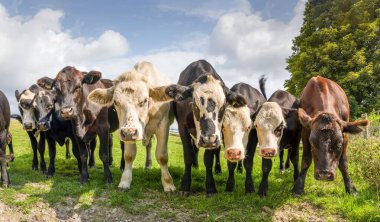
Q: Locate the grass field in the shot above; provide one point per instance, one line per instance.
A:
(32, 196)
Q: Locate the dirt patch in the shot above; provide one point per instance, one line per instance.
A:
(302, 212)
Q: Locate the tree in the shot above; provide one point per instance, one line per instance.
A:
(340, 40)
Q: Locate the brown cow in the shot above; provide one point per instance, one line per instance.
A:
(324, 114)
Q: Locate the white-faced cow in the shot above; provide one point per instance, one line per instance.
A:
(200, 100)
(89, 120)
(239, 136)
(324, 114)
(140, 116)
(277, 129)
(4, 138)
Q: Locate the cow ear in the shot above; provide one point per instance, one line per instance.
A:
(235, 99)
(353, 127)
(46, 83)
(158, 94)
(102, 97)
(304, 119)
(17, 95)
(178, 92)
(91, 77)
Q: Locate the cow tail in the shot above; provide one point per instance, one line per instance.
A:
(262, 81)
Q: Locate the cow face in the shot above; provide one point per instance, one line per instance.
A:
(28, 113)
(236, 128)
(68, 85)
(209, 97)
(130, 96)
(327, 139)
(44, 104)
(269, 124)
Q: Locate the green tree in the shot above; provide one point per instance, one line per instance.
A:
(340, 40)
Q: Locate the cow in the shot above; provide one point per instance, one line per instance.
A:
(324, 114)
(277, 129)
(25, 101)
(200, 99)
(5, 135)
(88, 120)
(239, 136)
(140, 116)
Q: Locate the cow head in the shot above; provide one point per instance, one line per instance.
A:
(269, 124)
(327, 139)
(130, 96)
(209, 98)
(26, 101)
(68, 85)
(44, 104)
(237, 125)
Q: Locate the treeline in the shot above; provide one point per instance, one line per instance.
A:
(340, 40)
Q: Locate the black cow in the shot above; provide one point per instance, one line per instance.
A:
(240, 138)
(4, 137)
(200, 101)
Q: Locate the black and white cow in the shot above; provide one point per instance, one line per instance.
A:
(4, 138)
(200, 99)
(240, 138)
(277, 128)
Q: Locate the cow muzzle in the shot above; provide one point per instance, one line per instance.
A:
(28, 126)
(43, 126)
(324, 175)
(234, 155)
(209, 142)
(128, 134)
(267, 153)
(67, 112)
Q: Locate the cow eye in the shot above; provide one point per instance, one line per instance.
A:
(142, 103)
(278, 130)
(116, 103)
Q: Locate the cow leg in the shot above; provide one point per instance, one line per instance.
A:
(266, 167)
(122, 162)
(195, 156)
(75, 150)
(4, 173)
(110, 145)
(41, 150)
(294, 157)
(239, 168)
(217, 168)
(67, 144)
(52, 153)
(231, 176)
(162, 134)
(129, 157)
(188, 156)
(148, 160)
(306, 162)
(83, 151)
(248, 161)
(33, 142)
(287, 163)
(281, 155)
(343, 167)
(103, 154)
(92, 145)
(208, 161)
(10, 145)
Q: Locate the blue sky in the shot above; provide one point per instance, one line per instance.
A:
(242, 39)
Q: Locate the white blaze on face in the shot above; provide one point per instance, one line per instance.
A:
(269, 125)
(236, 128)
(131, 100)
(208, 99)
(25, 103)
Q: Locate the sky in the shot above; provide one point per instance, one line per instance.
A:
(242, 39)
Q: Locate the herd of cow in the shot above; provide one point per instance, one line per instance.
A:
(79, 106)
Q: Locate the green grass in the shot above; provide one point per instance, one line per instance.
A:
(146, 194)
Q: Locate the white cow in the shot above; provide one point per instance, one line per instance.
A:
(140, 116)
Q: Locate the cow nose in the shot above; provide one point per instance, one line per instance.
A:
(233, 154)
(324, 175)
(67, 112)
(267, 152)
(28, 126)
(209, 141)
(128, 134)
(43, 126)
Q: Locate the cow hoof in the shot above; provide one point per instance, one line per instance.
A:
(108, 180)
(239, 170)
(262, 193)
(210, 194)
(5, 185)
(169, 189)
(34, 168)
(184, 193)
(297, 192)
(229, 189)
(68, 157)
(218, 169)
(12, 158)
(148, 167)
(91, 166)
(84, 181)
(195, 166)
(43, 172)
(124, 186)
